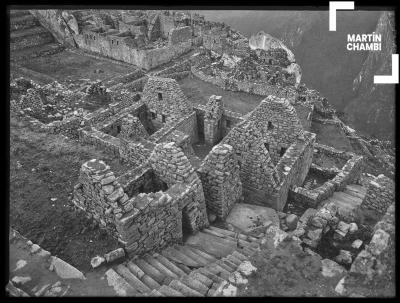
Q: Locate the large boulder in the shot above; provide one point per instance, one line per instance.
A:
(265, 41)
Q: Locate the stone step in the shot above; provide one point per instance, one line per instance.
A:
(357, 188)
(184, 289)
(132, 279)
(40, 289)
(225, 266)
(179, 257)
(228, 244)
(156, 293)
(230, 233)
(218, 270)
(194, 284)
(349, 197)
(239, 241)
(202, 278)
(239, 256)
(170, 265)
(230, 263)
(208, 244)
(169, 291)
(146, 279)
(151, 271)
(233, 259)
(192, 255)
(122, 287)
(202, 253)
(161, 268)
(339, 203)
(204, 271)
(353, 194)
(184, 268)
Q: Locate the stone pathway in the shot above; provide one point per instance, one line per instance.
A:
(198, 268)
(348, 200)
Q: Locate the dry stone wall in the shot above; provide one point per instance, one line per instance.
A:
(179, 34)
(154, 222)
(293, 168)
(212, 120)
(220, 176)
(380, 194)
(164, 97)
(173, 167)
(350, 173)
(278, 123)
(187, 125)
(132, 129)
(99, 195)
(261, 89)
(257, 172)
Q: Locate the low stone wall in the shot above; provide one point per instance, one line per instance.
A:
(333, 152)
(183, 66)
(261, 89)
(100, 140)
(350, 173)
(380, 194)
(154, 222)
(187, 125)
(127, 78)
(67, 127)
(292, 168)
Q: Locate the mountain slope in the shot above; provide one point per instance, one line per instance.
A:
(372, 110)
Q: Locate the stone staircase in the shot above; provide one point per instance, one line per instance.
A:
(348, 200)
(196, 268)
(28, 38)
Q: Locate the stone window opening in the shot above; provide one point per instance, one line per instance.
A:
(117, 42)
(160, 96)
(118, 129)
(228, 123)
(112, 41)
(163, 118)
(270, 125)
(282, 152)
(153, 115)
(266, 146)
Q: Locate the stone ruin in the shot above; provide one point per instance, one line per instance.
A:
(256, 158)
(170, 189)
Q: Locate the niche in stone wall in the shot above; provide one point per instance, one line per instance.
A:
(282, 151)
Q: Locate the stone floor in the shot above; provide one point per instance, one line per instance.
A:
(246, 217)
